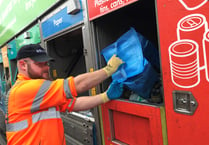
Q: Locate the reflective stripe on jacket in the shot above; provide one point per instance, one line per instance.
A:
(33, 110)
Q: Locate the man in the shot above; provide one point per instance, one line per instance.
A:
(35, 102)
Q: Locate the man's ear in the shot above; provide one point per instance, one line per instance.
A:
(22, 65)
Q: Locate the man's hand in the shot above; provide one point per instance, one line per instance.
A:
(112, 65)
(114, 91)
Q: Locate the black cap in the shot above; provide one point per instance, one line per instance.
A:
(33, 51)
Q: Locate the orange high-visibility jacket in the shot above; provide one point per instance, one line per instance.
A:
(33, 110)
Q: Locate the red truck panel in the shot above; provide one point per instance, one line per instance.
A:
(131, 123)
(183, 35)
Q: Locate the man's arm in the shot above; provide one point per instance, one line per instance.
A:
(87, 102)
(86, 81)
(114, 91)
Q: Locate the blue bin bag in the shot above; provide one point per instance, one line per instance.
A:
(143, 83)
(129, 49)
(141, 68)
(150, 52)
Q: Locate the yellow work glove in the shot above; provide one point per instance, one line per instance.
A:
(104, 97)
(112, 65)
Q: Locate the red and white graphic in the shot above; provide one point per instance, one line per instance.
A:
(206, 51)
(187, 55)
(184, 63)
(190, 27)
(98, 8)
(192, 4)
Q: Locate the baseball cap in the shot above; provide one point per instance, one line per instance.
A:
(33, 51)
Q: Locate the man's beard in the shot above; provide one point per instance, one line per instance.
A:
(34, 75)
